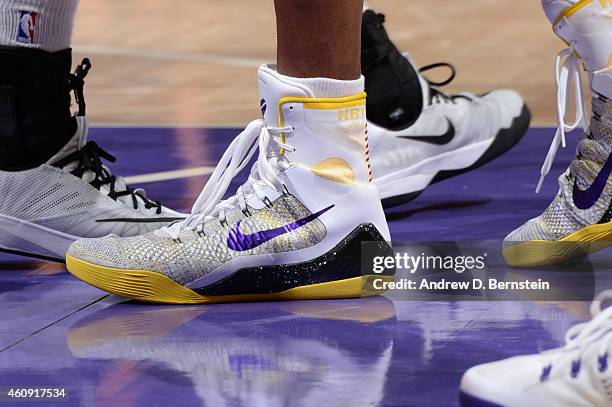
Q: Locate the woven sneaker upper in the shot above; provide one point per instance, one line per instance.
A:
(192, 255)
(562, 217)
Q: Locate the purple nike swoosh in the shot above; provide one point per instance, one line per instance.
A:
(238, 242)
(587, 198)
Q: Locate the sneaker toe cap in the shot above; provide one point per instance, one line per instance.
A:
(104, 251)
(533, 229)
(499, 382)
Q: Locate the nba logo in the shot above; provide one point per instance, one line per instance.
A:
(27, 26)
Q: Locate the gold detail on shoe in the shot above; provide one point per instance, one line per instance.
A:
(354, 132)
(320, 104)
(545, 252)
(571, 10)
(355, 113)
(148, 286)
(335, 169)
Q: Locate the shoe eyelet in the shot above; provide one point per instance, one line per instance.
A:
(545, 373)
(602, 362)
(575, 368)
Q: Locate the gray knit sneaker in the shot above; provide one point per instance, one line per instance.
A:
(577, 222)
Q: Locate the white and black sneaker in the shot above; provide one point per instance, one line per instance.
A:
(419, 135)
(45, 208)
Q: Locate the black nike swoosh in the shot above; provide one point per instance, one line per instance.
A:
(140, 220)
(438, 140)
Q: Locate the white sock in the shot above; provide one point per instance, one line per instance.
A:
(330, 88)
(44, 24)
(554, 8)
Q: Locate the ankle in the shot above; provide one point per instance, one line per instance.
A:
(34, 106)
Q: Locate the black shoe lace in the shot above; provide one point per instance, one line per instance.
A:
(89, 157)
(435, 94)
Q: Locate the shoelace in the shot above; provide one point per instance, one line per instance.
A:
(87, 161)
(567, 74)
(383, 48)
(435, 95)
(596, 332)
(265, 174)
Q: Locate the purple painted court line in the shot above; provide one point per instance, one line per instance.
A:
(58, 332)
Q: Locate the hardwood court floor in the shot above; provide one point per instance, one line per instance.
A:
(57, 332)
(194, 61)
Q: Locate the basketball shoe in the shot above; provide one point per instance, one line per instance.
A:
(292, 231)
(577, 222)
(419, 135)
(50, 202)
(577, 375)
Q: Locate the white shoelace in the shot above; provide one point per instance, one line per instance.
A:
(567, 73)
(264, 175)
(598, 332)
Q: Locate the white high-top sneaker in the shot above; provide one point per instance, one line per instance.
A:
(45, 209)
(292, 231)
(576, 375)
(419, 135)
(578, 221)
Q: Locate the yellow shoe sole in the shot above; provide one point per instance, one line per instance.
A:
(535, 253)
(148, 286)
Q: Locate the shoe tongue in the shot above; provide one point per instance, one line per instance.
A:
(373, 31)
(272, 88)
(75, 143)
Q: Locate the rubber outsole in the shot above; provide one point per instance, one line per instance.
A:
(148, 286)
(334, 274)
(504, 140)
(541, 252)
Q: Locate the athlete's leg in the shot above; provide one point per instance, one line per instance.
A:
(35, 40)
(294, 229)
(319, 38)
(54, 188)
